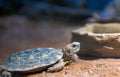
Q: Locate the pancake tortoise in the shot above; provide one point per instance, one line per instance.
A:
(32, 60)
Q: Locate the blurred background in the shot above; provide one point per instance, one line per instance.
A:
(28, 24)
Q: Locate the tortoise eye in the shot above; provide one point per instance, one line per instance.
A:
(74, 45)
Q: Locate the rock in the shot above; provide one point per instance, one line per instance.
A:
(99, 40)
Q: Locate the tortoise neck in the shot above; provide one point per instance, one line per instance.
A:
(65, 56)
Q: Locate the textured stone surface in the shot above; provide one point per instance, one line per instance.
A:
(101, 40)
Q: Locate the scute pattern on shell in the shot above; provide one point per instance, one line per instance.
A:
(32, 58)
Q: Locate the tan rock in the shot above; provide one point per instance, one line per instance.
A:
(101, 40)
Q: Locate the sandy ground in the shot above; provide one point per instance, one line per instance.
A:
(18, 33)
(87, 68)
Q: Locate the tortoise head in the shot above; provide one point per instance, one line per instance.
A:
(71, 48)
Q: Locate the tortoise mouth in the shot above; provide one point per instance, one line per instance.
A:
(77, 50)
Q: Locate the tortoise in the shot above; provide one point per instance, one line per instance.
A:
(37, 59)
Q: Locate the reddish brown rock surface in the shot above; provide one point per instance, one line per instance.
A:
(87, 68)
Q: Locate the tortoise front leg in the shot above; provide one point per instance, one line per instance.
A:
(6, 73)
(75, 58)
(57, 66)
